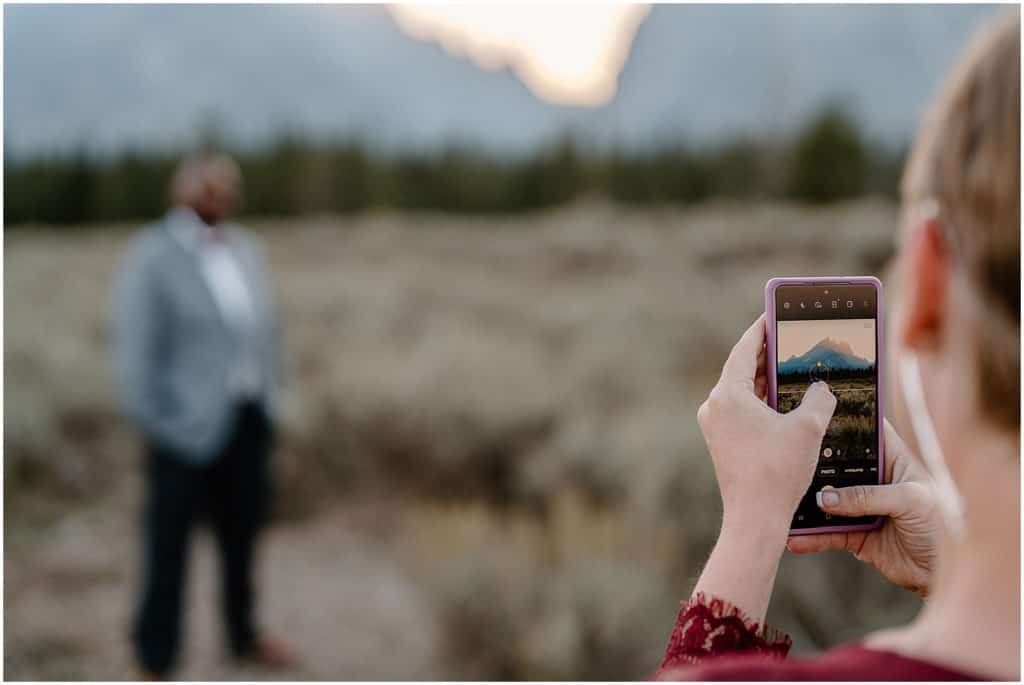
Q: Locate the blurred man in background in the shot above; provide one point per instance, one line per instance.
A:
(197, 359)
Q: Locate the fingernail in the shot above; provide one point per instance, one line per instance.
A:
(826, 498)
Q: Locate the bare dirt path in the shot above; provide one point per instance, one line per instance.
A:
(339, 598)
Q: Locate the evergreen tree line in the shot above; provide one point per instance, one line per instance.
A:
(828, 160)
(866, 374)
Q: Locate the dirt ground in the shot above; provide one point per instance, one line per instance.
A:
(339, 598)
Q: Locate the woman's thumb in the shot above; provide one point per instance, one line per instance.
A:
(866, 500)
(817, 406)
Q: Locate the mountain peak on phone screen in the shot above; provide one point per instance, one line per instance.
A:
(834, 354)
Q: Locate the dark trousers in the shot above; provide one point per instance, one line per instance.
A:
(232, 493)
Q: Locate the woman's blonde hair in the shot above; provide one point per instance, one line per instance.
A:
(966, 160)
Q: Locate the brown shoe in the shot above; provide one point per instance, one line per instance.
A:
(273, 653)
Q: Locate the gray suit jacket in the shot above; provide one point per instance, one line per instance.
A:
(173, 350)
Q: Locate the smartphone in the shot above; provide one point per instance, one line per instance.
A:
(830, 329)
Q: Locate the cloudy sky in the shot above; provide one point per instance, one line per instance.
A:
(104, 78)
(565, 54)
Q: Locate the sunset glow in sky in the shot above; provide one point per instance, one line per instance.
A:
(796, 337)
(566, 54)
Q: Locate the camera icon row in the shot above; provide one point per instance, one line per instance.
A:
(835, 304)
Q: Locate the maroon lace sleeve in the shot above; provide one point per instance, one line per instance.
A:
(708, 627)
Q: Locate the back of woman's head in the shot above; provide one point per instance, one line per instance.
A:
(966, 160)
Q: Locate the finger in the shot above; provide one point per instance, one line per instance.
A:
(761, 388)
(897, 454)
(868, 500)
(741, 366)
(806, 544)
(816, 408)
(761, 378)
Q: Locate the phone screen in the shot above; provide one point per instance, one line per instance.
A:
(829, 333)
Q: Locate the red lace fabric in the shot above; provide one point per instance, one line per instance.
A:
(708, 627)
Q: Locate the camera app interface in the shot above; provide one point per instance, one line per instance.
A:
(828, 333)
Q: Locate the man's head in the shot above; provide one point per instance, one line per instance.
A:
(210, 185)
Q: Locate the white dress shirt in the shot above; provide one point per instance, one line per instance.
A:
(226, 280)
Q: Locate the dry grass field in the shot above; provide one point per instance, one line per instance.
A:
(489, 463)
(853, 421)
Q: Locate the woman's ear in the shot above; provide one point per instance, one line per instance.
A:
(925, 285)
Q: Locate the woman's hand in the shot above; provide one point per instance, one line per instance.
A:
(764, 460)
(903, 549)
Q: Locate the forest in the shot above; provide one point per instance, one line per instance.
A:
(828, 160)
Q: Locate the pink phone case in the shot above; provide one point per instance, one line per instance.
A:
(770, 369)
